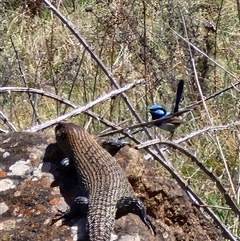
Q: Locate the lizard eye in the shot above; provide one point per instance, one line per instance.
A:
(62, 136)
(58, 132)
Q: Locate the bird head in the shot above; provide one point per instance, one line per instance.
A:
(158, 112)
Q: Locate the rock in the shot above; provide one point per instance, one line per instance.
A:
(41, 187)
(175, 216)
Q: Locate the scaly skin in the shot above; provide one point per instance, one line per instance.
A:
(105, 182)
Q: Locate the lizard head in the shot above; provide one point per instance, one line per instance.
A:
(66, 133)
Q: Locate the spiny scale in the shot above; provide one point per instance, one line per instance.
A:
(105, 181)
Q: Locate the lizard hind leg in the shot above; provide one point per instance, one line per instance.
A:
(134, 205)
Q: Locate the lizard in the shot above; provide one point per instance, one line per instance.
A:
(109, 194)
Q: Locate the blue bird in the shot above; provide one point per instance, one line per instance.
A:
(158, 112)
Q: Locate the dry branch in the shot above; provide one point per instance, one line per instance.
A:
(192, 135)
(7, 122)
(57, 98)
(33, 103)
(84, 108)
(200, 164)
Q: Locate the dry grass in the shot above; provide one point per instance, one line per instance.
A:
(135, 41)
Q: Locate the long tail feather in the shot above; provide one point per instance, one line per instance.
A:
(178, 95)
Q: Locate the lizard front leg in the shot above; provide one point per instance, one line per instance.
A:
(79, 209)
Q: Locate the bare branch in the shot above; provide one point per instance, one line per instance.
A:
(33, 103)
(71, 27)
(7, 122)
(145, 124)
(61, 100)
(180, 112)
(200, 51)
(84, 108)
(238, 8)
(208, 172)
(207, 111)
(3, 131)
(193, 134)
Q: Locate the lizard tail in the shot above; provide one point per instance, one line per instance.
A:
(101, 220)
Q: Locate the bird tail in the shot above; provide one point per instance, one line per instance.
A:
(178, 95)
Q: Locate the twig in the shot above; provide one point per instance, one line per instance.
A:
(61, 100)
(194, 134)
(84, 108)
(7, 122)
(200, 51)
(145, 124)
(238, 8)
(75, 79)
(207, 112)
(208, 172)
(218, 207)
(25, 83)
(70, 26)
(236, 219)
(3, 131)
(232, 86)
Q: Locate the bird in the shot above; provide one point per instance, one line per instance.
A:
(158, 112)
